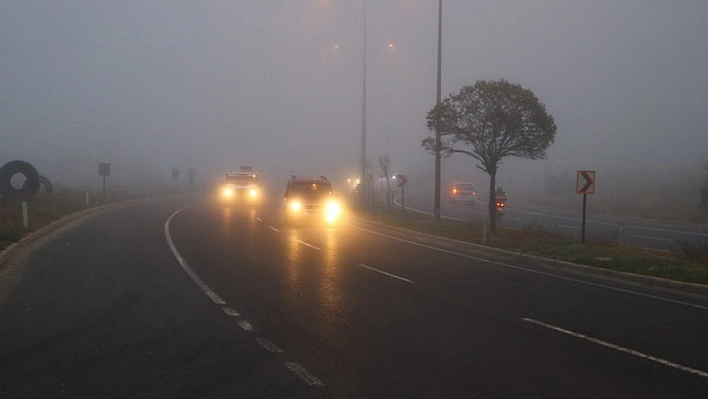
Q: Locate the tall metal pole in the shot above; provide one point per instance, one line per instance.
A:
(363, 181)
(582, 229)
(436, 210)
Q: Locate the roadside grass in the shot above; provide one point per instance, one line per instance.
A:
(45, 208)
(41, 210)
(687, 262)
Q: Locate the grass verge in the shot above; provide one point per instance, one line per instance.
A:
(687, 263)
(41, 211)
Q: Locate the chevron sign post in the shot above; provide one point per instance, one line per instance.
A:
(584, 184)
(402, 180)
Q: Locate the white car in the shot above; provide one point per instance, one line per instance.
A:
(240, 187)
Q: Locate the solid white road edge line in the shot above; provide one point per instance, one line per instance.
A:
(652, 238)
(663, 230)
(619, 348)
(388, 274)
(274, 229)
(304, 374)
(613, 224)
(575, 280)
(200, 283)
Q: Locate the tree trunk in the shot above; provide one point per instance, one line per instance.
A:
(492, 202)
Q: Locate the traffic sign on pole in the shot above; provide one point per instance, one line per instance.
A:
(402, 180)
(585, 182)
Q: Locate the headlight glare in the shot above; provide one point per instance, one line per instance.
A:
(333, 210)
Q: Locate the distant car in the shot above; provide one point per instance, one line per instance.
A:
(241, 186)
(310, 200)
(462, 192)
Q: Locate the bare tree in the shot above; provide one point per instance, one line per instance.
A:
(490, 121)
(385, 161)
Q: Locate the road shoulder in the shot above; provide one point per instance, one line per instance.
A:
(503, 255)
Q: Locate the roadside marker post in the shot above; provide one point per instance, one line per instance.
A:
(402, 180)
(175, 176)
(25, 215)
(104, 169)
(584, 184)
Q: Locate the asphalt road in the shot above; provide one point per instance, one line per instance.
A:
(186, 298)
(638, 232)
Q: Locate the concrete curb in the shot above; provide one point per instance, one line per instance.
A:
(550, 263)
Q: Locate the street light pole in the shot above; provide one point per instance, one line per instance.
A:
(436, 210)
(363, 181)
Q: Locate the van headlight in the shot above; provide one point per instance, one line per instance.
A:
(227, 192)
(253, 193)
(332, 210)
(295, 206)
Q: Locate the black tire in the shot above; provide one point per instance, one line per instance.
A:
(32, 182)
(47, 184)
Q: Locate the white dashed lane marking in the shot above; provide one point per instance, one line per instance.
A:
(296, 368)
(269, 346)
(537, 272)
(307, 245)
(246, 326)
(230, 311)
(304, 374)
(386, 273)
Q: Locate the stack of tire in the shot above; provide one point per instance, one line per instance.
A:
(30, 187)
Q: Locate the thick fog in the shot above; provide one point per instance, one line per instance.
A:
(149, 86)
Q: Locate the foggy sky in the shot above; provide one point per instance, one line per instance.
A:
(154, 85)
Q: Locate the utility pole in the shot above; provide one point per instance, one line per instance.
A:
(436, 209)
(363, 181)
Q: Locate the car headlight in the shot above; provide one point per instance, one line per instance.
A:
(253, 193)
(332, 211)
(295, 206)
(228, 192)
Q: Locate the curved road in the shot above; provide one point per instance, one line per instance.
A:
(645, 233)
(185, 298)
